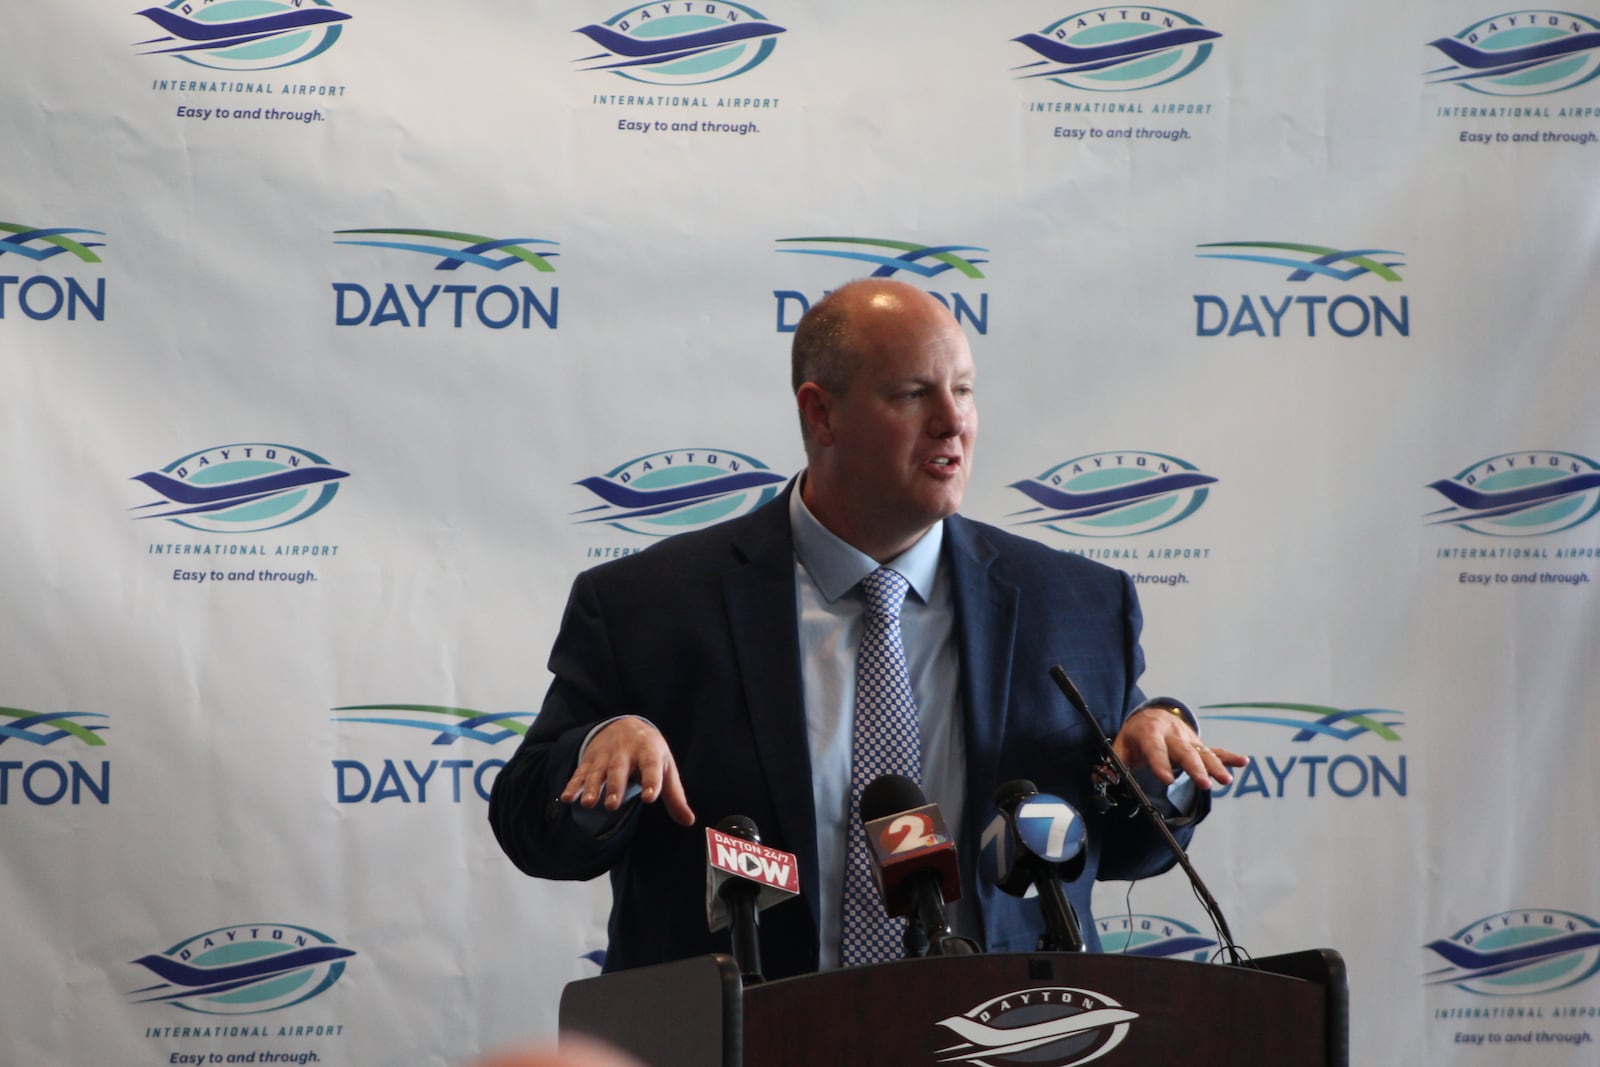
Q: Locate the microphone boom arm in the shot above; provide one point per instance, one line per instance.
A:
(1207, 901)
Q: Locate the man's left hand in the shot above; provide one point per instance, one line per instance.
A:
(1154, 737)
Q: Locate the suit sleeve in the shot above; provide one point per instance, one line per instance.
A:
(534, 828)
(1133, 848)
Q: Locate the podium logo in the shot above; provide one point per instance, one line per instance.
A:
(495, 306)
(41, 296)
(1522, 53)
(244, 970)
(46, 781)
(1113, 494)
(241, 488)
(1118, 49)
(888, 257)
(1520, 494)
(681, 43)
(1518, 953)
(1157, 936)
(1302, 773)
(1056, 1026)
(244, 34)
(1346, 315)
(356, 781)
(665, 493)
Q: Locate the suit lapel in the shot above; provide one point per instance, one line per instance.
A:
(986, 622)
(760, 596)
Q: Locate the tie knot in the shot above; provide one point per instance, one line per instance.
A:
(886, 591)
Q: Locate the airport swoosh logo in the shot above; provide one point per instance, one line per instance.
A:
(1075, 59)
(232, 32)
(636, 51)
(638, 502)
(1078, 505)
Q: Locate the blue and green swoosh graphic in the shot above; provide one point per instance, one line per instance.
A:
(889, 257)
(48, 727)
(475, 248)
(1311, 721)
(447, 724)
(42, 243)
(1314, 260)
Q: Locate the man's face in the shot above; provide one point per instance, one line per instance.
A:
(899, 442)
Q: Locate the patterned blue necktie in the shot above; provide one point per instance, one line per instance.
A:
(884, 740)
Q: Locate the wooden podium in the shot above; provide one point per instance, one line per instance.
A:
(1035, 1009)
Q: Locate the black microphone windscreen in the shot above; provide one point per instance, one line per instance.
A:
(1014, 792)
(889, 795)
(740, 826)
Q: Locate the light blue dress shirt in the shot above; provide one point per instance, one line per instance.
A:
(832, 611)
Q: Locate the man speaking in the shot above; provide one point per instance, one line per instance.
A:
(774, 665)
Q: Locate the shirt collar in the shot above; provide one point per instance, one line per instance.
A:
(838, 567)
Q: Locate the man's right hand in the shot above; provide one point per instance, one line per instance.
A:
(626, 750)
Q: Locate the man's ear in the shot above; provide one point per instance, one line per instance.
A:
(816, 412)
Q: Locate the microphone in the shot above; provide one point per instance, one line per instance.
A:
(744, 877)
(1039, 843)
(1207, 901)
(914, 864)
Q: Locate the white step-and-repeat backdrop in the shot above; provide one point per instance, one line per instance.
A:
(331, 335)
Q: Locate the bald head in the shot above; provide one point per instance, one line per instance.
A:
(840, 330)
(884, 387)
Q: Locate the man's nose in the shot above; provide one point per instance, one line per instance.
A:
(949, 417)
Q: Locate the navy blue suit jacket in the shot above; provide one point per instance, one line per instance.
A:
(699, 635)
